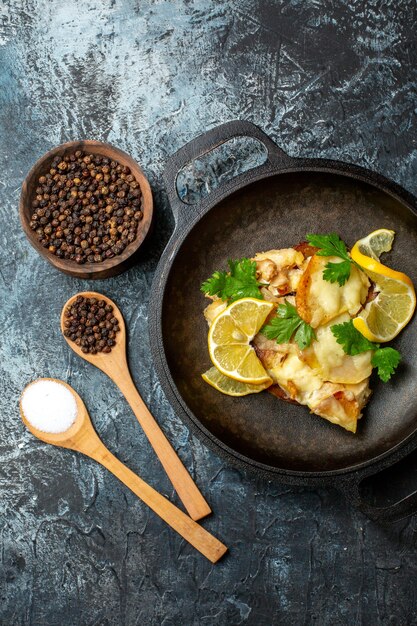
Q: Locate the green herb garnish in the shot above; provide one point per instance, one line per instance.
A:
(386, 360)
(332, 245)
(351, 340)
(285, 324)
(239, 283)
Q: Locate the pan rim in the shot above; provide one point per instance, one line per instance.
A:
(179, 235)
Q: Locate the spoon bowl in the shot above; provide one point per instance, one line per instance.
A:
(74, 434)
(114, 364)
(81, 437)
(110, 363)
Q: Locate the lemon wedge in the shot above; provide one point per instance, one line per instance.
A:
(229, 386)
(384, 317)
(229, 340)
(375, 243)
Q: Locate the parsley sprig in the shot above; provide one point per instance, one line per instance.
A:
(239, 282)
(386, 360)
(332, 245)
(351, 340)
(285, 324)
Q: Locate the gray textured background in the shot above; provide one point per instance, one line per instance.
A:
(324, 78)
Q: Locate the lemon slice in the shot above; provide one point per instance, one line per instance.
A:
(229, 386)
(383, 318)
(229, 340)
(375, 243)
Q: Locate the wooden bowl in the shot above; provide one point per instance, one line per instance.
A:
(109, 267)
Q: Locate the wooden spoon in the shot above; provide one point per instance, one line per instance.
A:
(82, 437)
(114, 364)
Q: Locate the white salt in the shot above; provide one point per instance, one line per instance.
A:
(49, 406)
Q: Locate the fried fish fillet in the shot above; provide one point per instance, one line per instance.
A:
(332, 384)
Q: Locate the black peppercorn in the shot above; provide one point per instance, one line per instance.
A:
(82, 325)
(96, 199)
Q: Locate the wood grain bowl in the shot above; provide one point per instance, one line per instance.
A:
(109, 267)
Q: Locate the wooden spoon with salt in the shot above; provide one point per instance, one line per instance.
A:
(82, 437)
(114, 364)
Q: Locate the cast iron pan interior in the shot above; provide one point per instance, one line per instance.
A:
(274, 213)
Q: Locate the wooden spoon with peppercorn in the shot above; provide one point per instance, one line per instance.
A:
(94, 328)
(81, 437)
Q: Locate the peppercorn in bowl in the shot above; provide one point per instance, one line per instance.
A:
(86, 207)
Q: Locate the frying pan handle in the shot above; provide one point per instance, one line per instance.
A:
(275, 158)
(383, 515)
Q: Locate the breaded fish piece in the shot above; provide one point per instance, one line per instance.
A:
(332, 384)
(329, 382)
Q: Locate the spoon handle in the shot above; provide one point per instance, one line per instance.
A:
(184, 485)
(192, 532)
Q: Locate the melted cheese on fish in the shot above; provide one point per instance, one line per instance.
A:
(319, 301)
(339, 403)
(295, 376)
(341, 406)
(327, 357)
(332, 384)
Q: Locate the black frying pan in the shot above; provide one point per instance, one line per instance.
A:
(273, 206)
